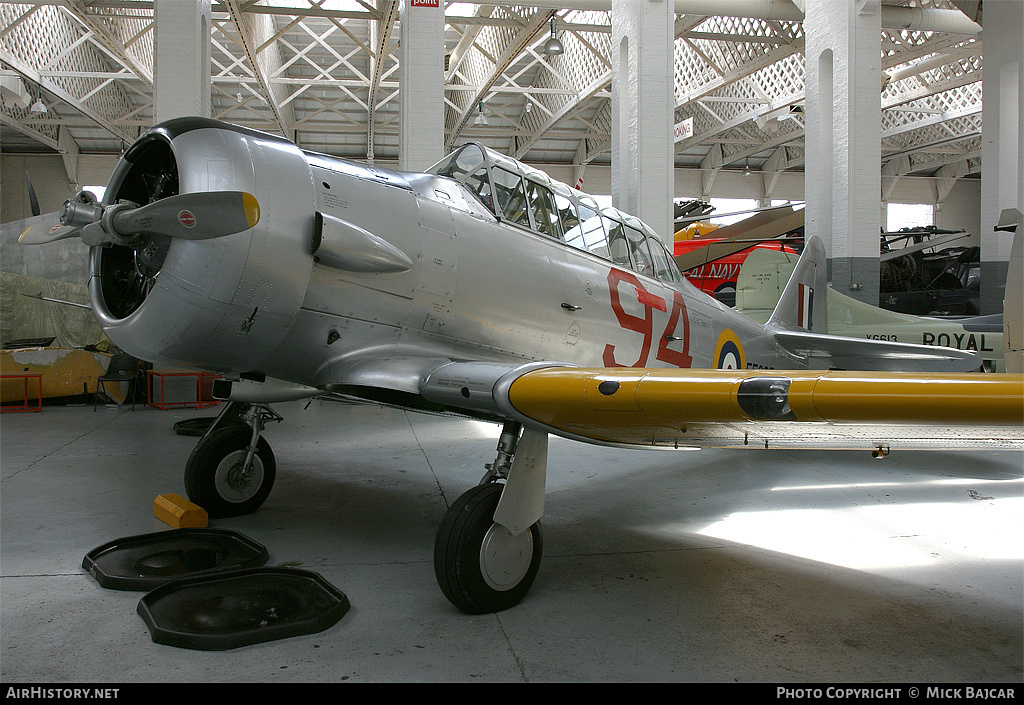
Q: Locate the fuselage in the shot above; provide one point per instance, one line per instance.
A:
(351, 262)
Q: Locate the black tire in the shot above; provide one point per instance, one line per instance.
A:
(471, 581)
(211, 474)
(199, 426)
(193, 427)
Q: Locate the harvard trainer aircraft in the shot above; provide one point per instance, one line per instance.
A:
(485, 289)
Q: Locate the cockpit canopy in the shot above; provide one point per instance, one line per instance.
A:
(519, 194)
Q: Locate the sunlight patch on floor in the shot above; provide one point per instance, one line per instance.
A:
(1013, 485)
(885, 536)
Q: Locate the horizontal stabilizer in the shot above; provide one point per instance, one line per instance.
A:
(826, 351)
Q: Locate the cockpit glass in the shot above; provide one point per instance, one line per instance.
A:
(460, 163)
(639, 251)
(588, 234)
(515, 194)
(567, 215)
(618, 247)
(508, 188)
(480, 186)
(665, 268)
(542, 205)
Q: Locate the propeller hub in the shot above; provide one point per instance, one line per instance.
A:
(78, 213)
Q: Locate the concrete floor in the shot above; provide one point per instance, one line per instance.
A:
(749, 566)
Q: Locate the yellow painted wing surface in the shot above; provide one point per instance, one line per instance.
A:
(768, 408)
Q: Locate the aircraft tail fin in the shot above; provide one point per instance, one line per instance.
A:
(802, 304)
(1013, 308)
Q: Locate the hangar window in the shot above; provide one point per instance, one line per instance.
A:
(98, 191)
(908, 215)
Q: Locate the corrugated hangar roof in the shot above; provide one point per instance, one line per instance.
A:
(327, 72)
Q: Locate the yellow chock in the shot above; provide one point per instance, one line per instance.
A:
(178, 513)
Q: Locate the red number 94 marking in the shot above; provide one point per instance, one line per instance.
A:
(645, 325)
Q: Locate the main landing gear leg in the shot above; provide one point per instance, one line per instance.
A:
(231, 470)
(489, 546)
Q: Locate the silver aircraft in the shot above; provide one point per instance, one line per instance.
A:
(481, 288)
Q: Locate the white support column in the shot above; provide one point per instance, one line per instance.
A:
(642, 117)
(421, 61)
(181, 59)
(1002, 145)
(842, 174)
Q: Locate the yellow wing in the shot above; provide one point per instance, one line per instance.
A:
(768, 408)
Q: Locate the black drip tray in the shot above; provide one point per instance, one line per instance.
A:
(150, 560)
(242, 607)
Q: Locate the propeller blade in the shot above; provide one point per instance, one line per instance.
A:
(41, 234)
(191, 216)
(32, 200)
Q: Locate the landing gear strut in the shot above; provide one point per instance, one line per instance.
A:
(231, 470)
(481, 565)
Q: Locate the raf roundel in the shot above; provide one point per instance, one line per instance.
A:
(729, 352)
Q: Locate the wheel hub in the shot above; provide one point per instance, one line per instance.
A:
(233, 483)
(505, 558)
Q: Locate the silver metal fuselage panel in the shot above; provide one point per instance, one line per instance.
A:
(479, 288)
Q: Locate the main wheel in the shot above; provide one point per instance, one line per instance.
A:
(480, 566)
(213, 475)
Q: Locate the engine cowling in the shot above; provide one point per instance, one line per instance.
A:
(221, 304)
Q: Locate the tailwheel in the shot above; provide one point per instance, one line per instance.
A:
(480, 565)
(224, 478)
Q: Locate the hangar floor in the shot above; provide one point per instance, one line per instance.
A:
(749, 566)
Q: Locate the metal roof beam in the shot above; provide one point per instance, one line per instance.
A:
(49, 86)
(526, 35)
(249, 46)
(109, 41)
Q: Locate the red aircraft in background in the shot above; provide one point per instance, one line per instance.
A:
(710, 256)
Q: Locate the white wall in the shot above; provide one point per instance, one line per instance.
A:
(49, 179)
(65, 260)
(960, 211)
